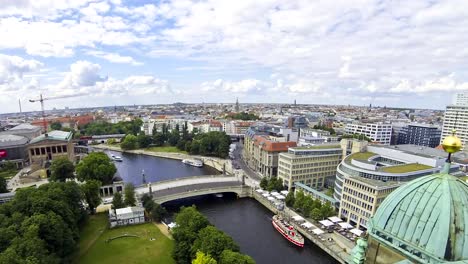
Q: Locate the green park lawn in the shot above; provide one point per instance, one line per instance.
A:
(95, 249)
(169, 149)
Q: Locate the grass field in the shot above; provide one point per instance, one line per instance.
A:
(94, 249)
(168, 149)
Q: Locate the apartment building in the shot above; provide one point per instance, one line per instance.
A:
(309, 165)
(456, 118)
(262, 149)
(377, 132)
(461, 99)
(364, 179)
(420, 134)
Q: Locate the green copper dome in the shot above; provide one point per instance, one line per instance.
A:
(425, 220)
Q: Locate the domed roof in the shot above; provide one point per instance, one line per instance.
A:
(426, 219)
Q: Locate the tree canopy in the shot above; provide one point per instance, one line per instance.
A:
(130, 142)
(129, 194)
(61, 169)
(231, 257)
(96, 166)
(40, 225)
(91, 193)
(117, 201)
(213, 241)
(245, 116)
(311, 207)
(202, 258)
(104, 128)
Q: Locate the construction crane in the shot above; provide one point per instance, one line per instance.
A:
(42, 99)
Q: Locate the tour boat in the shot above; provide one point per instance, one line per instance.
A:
(195, 163)
(117, 158)
(287, 231)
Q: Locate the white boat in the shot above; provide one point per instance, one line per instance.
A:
(195, 163)
(219, 195)
(117, 158)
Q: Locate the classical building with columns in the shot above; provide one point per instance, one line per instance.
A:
(50, 146)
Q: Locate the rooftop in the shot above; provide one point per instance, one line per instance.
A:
(12, 140)
(26, 127)
(54, 135)
(405, 168)
(128, 210)
(376, 183)
(360, 156)
(320, 146)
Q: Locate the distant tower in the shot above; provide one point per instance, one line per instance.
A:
(19, 101)
(237, 104)
(295, 102)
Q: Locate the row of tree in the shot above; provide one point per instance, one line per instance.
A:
(128, 199)
(6, 168)
(271, 184)
(213, 143)
(197, 241)
(309, 206)
(325, 128)
(155, 210)
(41, 225)
(245, 116)
(104, 128)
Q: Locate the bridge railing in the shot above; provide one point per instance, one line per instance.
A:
(183, 194)
(185, 178)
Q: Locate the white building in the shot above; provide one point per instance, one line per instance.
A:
(456, 118)
(127, 216)
(377, 132)
(461, 99)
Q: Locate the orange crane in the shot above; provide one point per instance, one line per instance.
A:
(42, 99)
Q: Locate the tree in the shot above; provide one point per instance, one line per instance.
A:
(117, 201)
(290, 199)
(213, 241)
(299, 201)
(201, 258)
(158, 212)
(129, 195)
(96, 166)
(231, 257)
(174, 137)
(189, 222)
(315, 214)
(91, 193)
(264, 183)
(56, 126)
(327, 210)
(147, 202)
(3, 185)
(61, 169)
(158, 139)
(144, 141)
(130, 142)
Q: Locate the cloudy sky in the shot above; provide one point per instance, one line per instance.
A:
(395, 53)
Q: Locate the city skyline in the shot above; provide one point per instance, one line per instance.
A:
(140, 52)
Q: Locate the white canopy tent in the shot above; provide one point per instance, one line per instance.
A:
(318, 231)
(298, 218)
(274, 193)
(307, 225)
(266, 195)
(284, 192)
(326, 223)
(335, 219)
(280, 197)
(356, 231)
(345, 225)
(271, 199)
(259, 190)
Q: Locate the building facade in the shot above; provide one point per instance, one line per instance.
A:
(461, 99)
(261, 151)
(50, 146)
(456, 118)
(377, 132)
(420, 134)
(364, 179)
(309, 165)
(126, 216)
(13, 149)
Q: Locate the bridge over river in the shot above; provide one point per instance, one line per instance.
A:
(169, 190)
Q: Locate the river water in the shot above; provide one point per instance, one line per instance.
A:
(249, 224)
(245, 220)
(155, 169)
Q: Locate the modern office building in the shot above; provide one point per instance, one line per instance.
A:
(309, 165)
(364, 179)
(311, 137)
(456, 118)
(377, 132)
(420, 134)
(262, 147)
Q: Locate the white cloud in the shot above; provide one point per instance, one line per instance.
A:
(114, 57)
(82, 74)
(13, 67)
(243, 86)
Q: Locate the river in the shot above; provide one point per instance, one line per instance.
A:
(245, 220)
(249, 224)
(156, 169)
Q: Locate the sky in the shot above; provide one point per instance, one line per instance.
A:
(116, 52)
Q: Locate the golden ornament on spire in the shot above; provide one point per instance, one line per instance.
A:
(452, 144)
